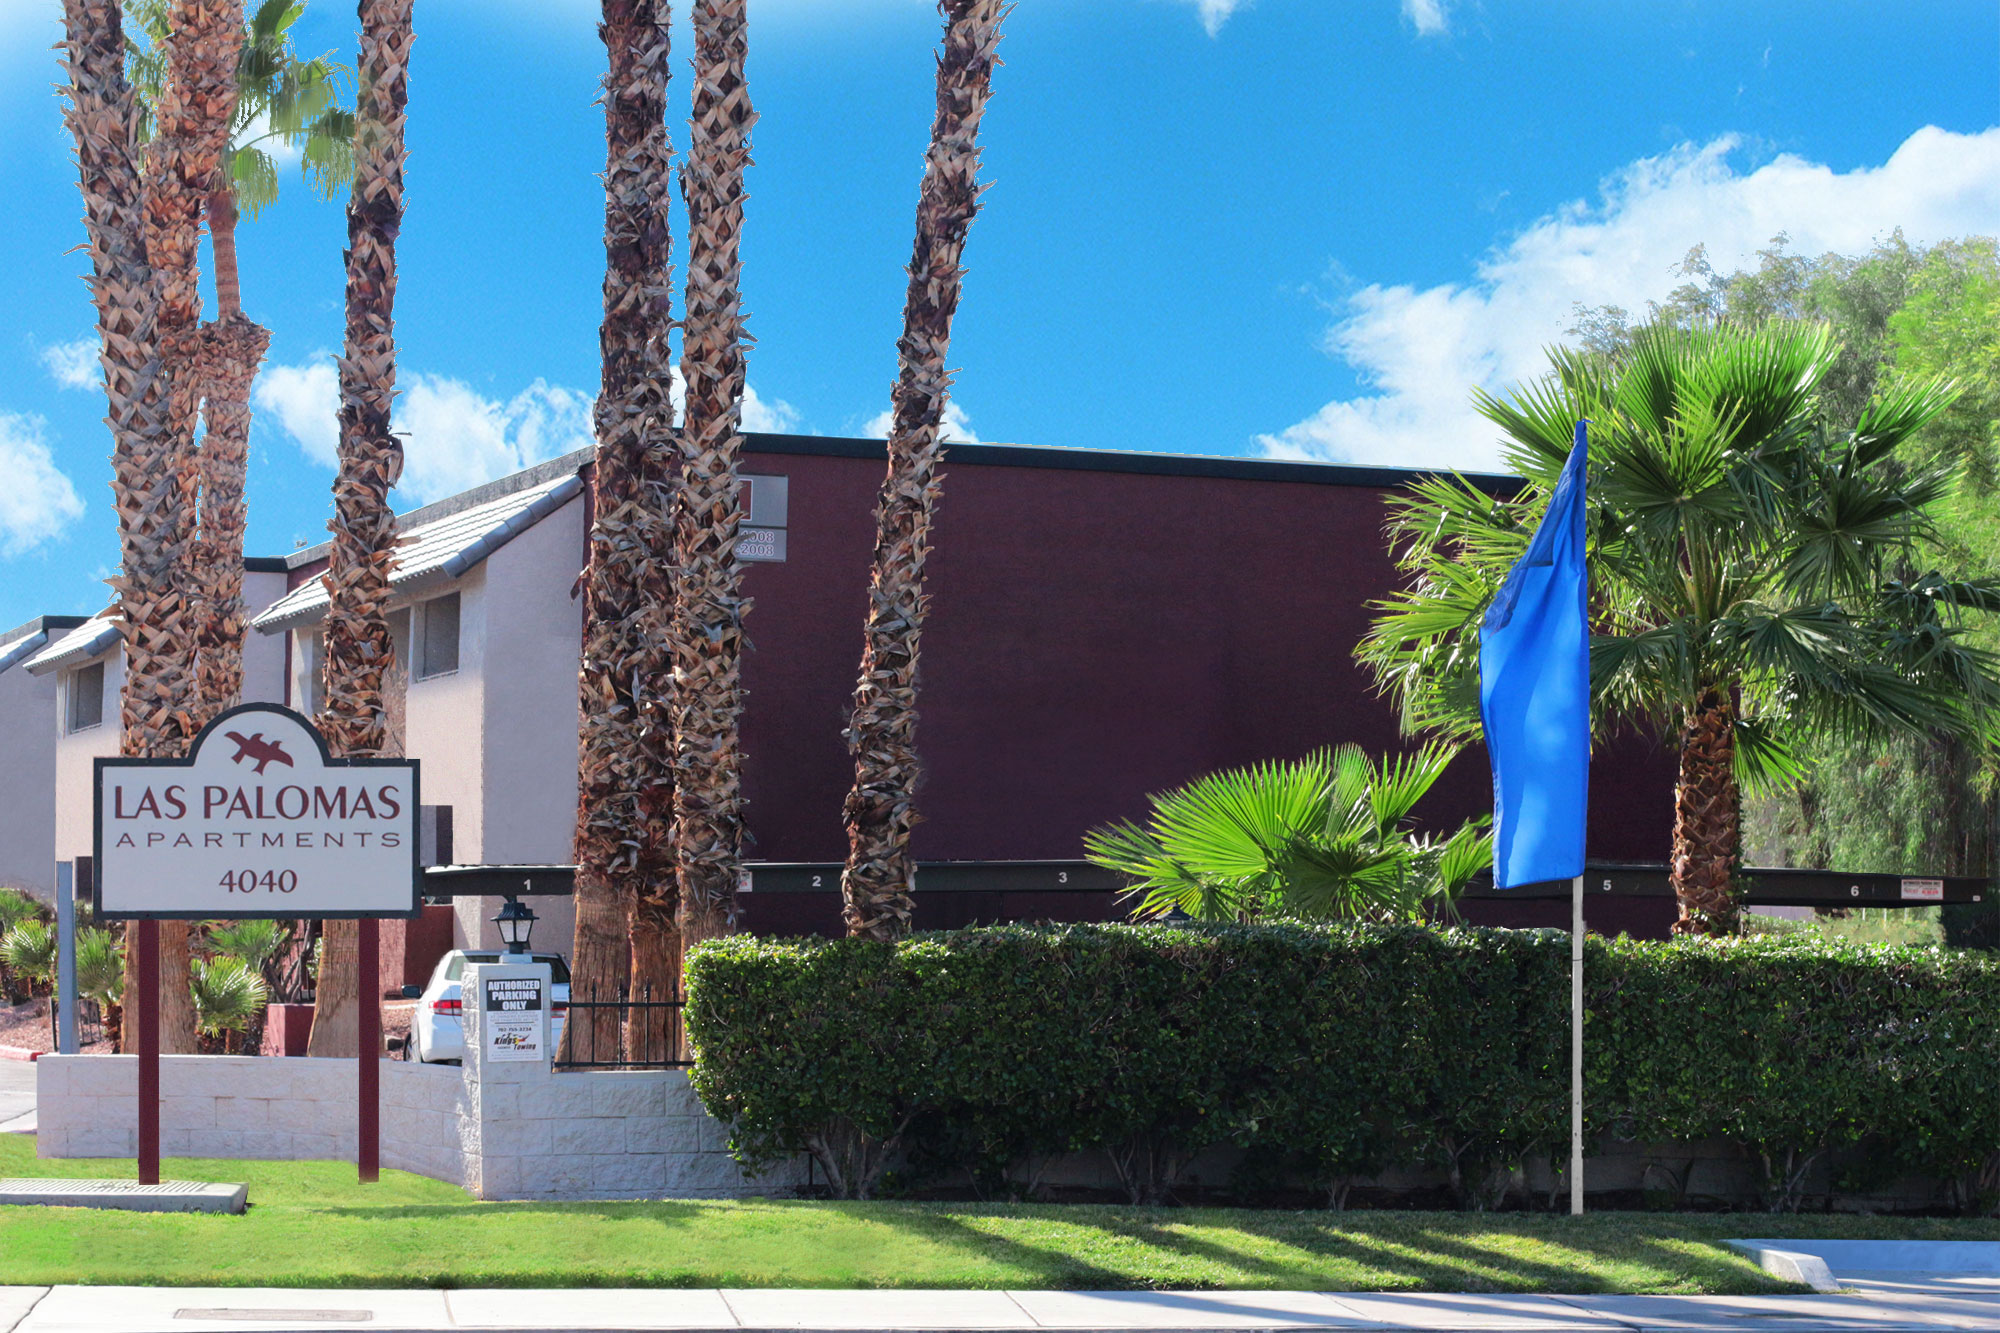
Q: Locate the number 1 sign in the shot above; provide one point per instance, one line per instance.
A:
(257, 821)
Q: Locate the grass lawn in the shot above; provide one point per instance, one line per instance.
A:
(310, 1224)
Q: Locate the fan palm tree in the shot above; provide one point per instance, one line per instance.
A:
(143, 224)
(876, 885)
(281, 100)
(28, 950)
(1754, 573)
(706, 631)
(624, 833)
(1324, 838)
(16, 906)
(359, 653)
(100, 975)
(229, 997)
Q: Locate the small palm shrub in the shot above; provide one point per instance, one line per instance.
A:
(256, 941)
(229, 996)
(100, 966)
(1323, 838)
(16, 906)
(100, 975)
(29, 951)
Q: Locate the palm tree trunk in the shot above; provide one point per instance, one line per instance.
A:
(1707, 819)
(624, 831)
(232, 349)
(144, 227)
(707, 627)
(358, 650)
(222, 217)
(653, 1034)
(882, 734)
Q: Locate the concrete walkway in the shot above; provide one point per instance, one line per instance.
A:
(1884, 1306)
(1892, 1285)
(17, 1097)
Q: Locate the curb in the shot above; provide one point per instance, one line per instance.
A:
(1807, 1269)
(18, 1053)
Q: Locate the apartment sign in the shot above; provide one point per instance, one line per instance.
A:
(257, 821)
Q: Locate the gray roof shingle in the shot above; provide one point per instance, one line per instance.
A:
(438, 551)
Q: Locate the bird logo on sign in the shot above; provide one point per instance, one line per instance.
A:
(254, 746)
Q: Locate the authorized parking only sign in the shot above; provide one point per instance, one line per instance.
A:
(514, 1016)
(258, 821)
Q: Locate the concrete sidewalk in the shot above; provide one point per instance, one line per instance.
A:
(1904, 1303)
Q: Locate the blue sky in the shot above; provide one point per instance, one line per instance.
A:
(1262, 227)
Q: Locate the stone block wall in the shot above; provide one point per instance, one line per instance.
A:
(249, 1106)
(509, 1131)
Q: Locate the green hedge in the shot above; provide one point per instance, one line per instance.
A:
(1332, 1053)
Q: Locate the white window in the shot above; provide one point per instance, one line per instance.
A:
(311, 690)
(83, 705)
(437, 636)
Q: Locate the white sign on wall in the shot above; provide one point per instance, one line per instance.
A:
(514, 1016)
(258, 821)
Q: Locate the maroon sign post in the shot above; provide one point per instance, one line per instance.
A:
(258, 821)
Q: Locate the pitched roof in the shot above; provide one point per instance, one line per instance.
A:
(86, 641)
(439, 550)
(23, 641)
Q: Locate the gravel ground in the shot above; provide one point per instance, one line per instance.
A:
(26, 1027)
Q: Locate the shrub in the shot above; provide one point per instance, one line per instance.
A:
(228, 995)
(29, 950)
(1343, 1049)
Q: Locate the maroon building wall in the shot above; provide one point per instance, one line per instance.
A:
(1094, 635)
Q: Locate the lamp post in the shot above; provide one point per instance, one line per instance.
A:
(516, 924)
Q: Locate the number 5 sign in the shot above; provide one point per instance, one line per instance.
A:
(257, 821)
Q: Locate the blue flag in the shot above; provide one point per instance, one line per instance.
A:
(1534, 695)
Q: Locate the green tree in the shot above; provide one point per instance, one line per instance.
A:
(1755, 572)
(29, 950)
(280, 101)
(229, 996)
(1323, 838)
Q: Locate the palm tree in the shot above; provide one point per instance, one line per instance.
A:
(1324, 838)
(143, 227)
(1754, 573)
(28, 950)
(280, 99)
(706, 633)
(876, 885)
(100, 975)
(229, 997)
(358, 650)
(624, 834)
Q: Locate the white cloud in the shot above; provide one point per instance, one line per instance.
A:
(73, 365)
(454, 436)
(457, 438)
(1215, 13)
(1419, 352)
(1429, 17)
(957, 425)
(306, 401)
(36, 500)
(772, 417)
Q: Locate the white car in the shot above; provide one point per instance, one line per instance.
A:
(437, 1029)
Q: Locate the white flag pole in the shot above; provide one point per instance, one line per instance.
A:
(1576, 1048)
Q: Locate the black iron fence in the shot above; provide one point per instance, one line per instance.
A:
(625, 1032)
